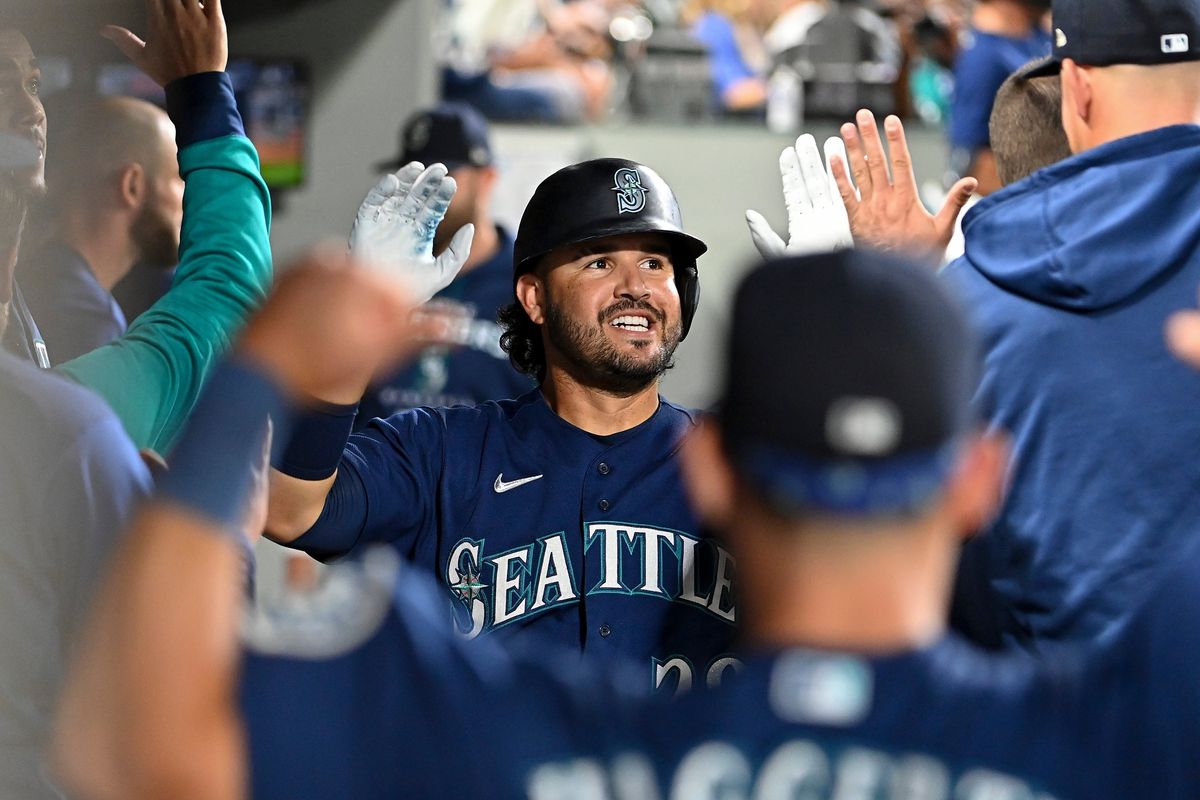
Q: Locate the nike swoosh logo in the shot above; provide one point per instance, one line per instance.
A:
(501, 486)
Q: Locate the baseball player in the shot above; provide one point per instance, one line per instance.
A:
(561, 511)
(844, 485)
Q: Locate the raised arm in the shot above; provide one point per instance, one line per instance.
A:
(152, 376)
(393, 231)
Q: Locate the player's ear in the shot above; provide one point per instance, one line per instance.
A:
(530, 294)
(977, 487)
(1076, 92)
(707, 475)
(131, 185)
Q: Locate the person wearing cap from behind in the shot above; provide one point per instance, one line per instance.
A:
(470, 367)
(558, 515)
(1068, 275)
(844, 485)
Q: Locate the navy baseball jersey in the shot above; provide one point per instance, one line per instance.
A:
(470, 372)
(387, 703)
(532, 523)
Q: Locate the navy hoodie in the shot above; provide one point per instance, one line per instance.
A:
(1069, 276)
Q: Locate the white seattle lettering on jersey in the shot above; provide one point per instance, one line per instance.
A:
(634, 559)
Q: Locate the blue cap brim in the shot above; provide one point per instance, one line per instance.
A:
(796, 484)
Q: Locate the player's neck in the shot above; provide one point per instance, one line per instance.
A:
(8, 267)
(881, 591)
(597, 412)
(484, 245)
(104, 243)
(12, 225)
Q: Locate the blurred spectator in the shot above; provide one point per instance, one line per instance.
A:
(531, 60)
(931, 77)
(1003, 35)
(731, 31)
(469, 367)
(797, 18)
(830, 59)
(116, 199)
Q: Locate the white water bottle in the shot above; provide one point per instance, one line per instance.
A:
(785, 100)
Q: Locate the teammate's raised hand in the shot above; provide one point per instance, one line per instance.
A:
(884, 207)
(395, 225)
(186, 37)
(817, 220)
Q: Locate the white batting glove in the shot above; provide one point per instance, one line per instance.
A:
(817, 220)
(394, 229)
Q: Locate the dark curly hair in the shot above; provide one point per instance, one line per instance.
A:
(522, 340)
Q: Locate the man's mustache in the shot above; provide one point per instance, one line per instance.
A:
(623, 306)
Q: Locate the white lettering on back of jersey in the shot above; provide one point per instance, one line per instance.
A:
(799, 769)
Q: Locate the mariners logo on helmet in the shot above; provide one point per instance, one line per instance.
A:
(631, 195)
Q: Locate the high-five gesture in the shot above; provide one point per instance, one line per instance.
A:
(395, 225)
(885, 209)
(817, 220)
(186, 37)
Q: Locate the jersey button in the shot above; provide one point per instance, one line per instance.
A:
(604, 505)
(603, 468)
(605, 630)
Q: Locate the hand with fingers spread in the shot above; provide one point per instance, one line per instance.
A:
(395, 225)
(186, 37)
(817, 220)
(884, 206)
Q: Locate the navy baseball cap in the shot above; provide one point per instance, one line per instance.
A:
(1099, 33)
(454, 134)
(849, 384)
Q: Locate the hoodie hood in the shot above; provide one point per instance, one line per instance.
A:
(1095, 230)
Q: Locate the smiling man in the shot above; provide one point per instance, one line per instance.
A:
(560, 512)
(23, 124)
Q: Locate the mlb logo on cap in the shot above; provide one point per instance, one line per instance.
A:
(1175, 43)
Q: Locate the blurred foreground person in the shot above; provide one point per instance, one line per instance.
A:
(844, 484)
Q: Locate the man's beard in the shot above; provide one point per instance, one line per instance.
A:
(14, 205)
(597, 362)
(156, 239)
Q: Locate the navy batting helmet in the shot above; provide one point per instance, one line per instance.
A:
(608, 197)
